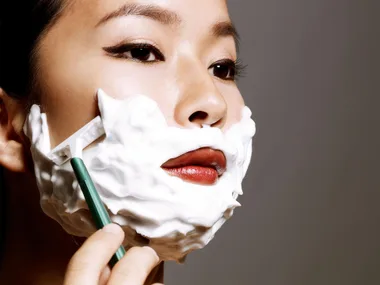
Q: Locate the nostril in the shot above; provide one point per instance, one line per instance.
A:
(198, 116)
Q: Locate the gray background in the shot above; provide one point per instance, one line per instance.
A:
(311, 211)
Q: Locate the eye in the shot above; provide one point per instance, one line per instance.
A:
(141, 52)
(226, 69)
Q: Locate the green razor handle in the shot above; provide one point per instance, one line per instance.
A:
(97, 209)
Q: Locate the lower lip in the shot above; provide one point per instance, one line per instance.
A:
(195, 174)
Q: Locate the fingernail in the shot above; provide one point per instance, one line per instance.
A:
(112, 229)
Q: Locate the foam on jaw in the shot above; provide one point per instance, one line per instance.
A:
(176, 216)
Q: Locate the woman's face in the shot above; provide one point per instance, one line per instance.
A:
(179, 53)
(176, 184)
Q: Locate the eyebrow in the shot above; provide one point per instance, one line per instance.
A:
(226, 29)
(154, 12)
(166, 17)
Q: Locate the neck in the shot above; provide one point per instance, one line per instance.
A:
(37, 249)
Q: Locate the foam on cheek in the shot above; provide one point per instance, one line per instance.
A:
(175, 216)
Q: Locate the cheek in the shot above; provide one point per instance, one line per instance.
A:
(124, 79)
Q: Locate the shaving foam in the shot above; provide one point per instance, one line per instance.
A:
(172, 216)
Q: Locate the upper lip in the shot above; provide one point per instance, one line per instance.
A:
(206, 157)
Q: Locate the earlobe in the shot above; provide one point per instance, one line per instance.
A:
(12, 150)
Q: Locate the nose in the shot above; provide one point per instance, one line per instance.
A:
(200, 102)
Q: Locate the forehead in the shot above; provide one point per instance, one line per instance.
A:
(193, 12)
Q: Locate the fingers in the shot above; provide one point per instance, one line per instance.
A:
(89, 261)
(105, 275)
(135, 266)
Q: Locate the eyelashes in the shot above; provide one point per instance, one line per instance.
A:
(241, 69)
(228, 69)
(142, 52)
(225, 69)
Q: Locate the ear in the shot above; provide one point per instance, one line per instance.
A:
(12, 138)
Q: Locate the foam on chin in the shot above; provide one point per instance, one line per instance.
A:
(176, 216)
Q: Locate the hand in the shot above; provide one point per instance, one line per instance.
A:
(89, 264)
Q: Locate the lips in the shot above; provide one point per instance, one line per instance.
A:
(202, 166)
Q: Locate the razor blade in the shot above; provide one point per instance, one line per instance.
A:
(74, 145)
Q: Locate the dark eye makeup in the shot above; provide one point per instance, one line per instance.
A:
(225, 69)
(142, 52)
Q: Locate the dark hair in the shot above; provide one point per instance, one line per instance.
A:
(22, 23)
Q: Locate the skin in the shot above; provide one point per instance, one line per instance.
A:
(72, 64)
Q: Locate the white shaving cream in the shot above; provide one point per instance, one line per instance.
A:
(173, 216)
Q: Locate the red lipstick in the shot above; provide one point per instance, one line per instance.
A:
(202, 166)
